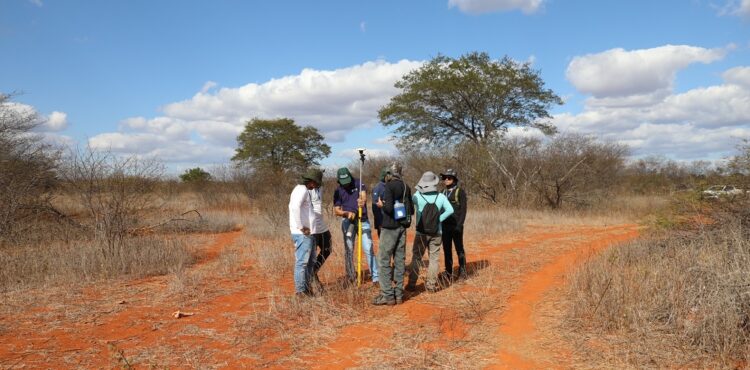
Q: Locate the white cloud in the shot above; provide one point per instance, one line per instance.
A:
(618, 72)
(363, 26)
(704, 121)
(56, 121)
(336, 102)
(489, 6)
(738, 76)
(739, 8)
(208, 86)
(38, 3)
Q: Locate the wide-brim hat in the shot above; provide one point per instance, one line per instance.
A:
(449, 173)
(313, 174)
(428, 182)
(343, 176)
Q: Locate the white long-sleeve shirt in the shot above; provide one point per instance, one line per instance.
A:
(318, 225)
(306, 210)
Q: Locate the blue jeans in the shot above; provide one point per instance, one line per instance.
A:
(350, 243)
(304, 261)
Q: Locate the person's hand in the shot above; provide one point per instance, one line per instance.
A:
(351, 216)
(306, 230)
(361, 203)
(379, 203)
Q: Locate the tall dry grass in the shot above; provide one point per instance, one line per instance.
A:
(681, 298)
(65, 263)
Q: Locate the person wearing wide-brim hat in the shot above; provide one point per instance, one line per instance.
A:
(304, 224)
(453, 226)
(432, 209)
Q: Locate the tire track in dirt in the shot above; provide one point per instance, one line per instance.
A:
(518, 329)
(515, 321)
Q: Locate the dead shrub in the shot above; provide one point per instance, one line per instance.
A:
(59, 264)
(688, 289)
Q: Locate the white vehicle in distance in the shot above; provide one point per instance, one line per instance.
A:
(716, 191)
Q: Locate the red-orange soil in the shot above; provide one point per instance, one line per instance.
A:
(107, 325)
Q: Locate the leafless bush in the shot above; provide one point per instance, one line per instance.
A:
(27, 167)
(690, 290)
(115, 192)
(577, 169)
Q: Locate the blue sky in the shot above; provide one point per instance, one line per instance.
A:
(177, 79)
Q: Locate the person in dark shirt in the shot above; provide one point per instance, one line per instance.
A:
(453, 226)
(346, 202)
(396, 199)
(377, 195)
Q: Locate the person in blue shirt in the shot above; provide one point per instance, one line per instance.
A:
(346, 202)
(432, 208)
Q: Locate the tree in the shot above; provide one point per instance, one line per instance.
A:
(27, 170)
(280, 145)
(195, 175)
(470, 98)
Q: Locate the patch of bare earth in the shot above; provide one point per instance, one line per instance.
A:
(504, 315)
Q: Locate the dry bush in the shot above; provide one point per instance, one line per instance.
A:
(60, 264)
(673, 299)
(115, 192)
(27, 167)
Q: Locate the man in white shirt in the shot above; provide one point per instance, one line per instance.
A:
(303, 224)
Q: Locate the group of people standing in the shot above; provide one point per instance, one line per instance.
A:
(439, 218)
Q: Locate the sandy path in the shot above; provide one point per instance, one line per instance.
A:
(532, 264)
(516, 322)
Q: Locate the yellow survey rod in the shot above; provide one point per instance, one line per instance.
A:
(359, 248)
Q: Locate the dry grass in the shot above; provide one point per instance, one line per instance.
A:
(60, 264)
(680, 299)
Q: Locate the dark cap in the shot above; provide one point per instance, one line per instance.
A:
(313, 174)
(343, 176)
(449, 173)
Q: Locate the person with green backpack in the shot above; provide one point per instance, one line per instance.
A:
(432, 208)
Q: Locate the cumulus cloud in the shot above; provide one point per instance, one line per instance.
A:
(56, 121)
(336, 102)
(739, 8)
(700, 122)
(619, 72)
(490, 6)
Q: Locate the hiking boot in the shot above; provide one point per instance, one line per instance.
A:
(382, 300)
(411, 287)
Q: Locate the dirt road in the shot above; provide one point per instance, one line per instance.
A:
(501, 317)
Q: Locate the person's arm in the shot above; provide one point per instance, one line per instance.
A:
(337, 207)
(296, 201)
(463, 204)
(447, 207)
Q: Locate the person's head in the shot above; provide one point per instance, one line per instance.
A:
(428, 182)
(449, 177)
(383, 173)
(312, 178)
(344, 177)
(394, 171)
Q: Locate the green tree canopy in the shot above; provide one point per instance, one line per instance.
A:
(472, 97)
(196, 174)
(280, 145)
